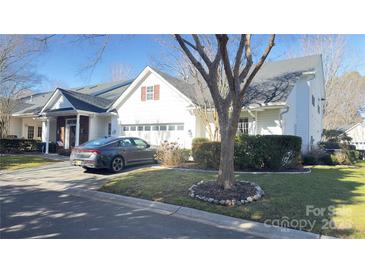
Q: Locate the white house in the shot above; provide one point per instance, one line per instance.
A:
(357, 132)
(286, 97)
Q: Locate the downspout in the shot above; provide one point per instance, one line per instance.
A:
(286, 110)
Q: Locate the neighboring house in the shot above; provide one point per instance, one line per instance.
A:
(284, 98)
(357, 132)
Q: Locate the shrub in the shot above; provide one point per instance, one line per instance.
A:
(341, 158)
(309, 159)
(318, 157)
(253, 152)
(19, 145)
(207, 154)
(196, 142)
(63, 152)
(170, 154)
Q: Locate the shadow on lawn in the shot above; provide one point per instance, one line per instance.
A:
(322, 197)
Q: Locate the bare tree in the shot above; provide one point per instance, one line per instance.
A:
(346, 96)
(121, 72)
(239, 75)
(16, 76)
(340, 91)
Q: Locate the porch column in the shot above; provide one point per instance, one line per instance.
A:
(45, 134)
(77, 137)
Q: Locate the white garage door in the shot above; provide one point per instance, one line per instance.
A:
(157, 133)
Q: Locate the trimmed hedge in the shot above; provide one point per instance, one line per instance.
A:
(272, 152)
(24, 145)
(18, 145)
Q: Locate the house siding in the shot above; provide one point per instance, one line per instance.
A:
(268, 122)
(170, 108)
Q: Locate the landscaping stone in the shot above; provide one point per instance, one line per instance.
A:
(245, 192)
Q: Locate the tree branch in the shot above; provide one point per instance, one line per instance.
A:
(196, 63)
(201, 50)
(258, 65)
(222, 45)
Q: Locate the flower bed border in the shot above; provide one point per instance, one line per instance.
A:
(259, 193)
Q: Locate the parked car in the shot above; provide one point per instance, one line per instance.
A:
(113, 153)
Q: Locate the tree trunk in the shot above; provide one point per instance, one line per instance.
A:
(228, 128)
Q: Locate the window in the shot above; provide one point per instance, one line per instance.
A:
(125, 128)
(125, 143)
(319, 109)
(313, 101)
(171, 127)
(180, 127)
(149, 93)
(30, 132)
(109, 129)
(140, 143)
(133, 128)
(155, 128)
(71, 122)
(39, 135)
(163, 127)
(243, 126)
(147, 128)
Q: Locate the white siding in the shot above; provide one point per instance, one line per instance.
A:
(26, 122)
(61, 102)
(98, 126)
(171, 108)
(268, 122)
(15, 127)
(357, 134)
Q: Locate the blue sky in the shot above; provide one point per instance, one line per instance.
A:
(62, 62)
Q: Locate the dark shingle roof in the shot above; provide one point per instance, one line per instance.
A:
(272, 84)
(86, 102)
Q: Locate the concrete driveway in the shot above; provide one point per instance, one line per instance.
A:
(34, 204)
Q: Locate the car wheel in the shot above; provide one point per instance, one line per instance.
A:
(87, 169)
(117, 164)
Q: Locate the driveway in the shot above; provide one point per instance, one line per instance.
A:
(34, 204)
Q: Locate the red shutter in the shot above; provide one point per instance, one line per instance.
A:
(156, 92)
(143, 93)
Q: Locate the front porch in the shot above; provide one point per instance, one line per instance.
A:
(69, 129)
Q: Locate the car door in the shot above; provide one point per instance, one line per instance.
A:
(128, 150)
(144, 151)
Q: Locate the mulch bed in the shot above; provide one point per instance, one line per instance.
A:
(210, 191)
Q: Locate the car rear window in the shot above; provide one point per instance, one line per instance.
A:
(99, 142)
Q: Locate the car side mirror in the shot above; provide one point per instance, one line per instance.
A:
(148, 145)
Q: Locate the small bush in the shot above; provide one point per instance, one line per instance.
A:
(196, 142)
(318, 157)
(63, 152)
(341, 158)
(170, 154)
(309, 159)
(207, 155)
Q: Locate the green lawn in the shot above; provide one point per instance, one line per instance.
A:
(14, 162)
(336, 190)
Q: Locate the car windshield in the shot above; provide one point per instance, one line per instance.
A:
(99, 142)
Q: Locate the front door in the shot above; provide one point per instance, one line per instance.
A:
(70, 135)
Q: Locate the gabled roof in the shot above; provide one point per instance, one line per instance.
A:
(272, 84)
(86, 102)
